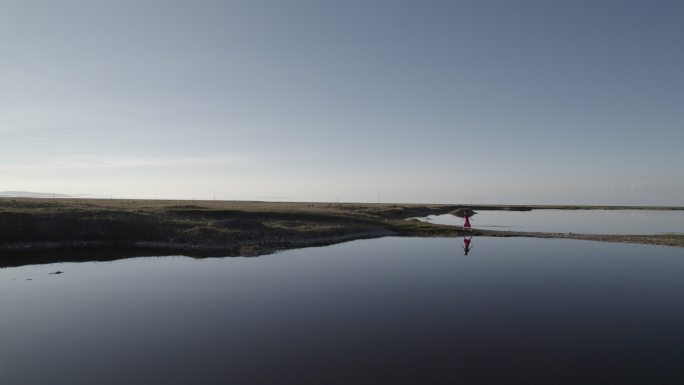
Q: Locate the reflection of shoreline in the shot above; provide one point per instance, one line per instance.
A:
(83, 253)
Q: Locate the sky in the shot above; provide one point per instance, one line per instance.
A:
(519, 102)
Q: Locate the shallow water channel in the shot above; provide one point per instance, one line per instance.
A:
(389, 310)
(574, 221)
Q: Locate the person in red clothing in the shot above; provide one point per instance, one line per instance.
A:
(466, 244)
(466, 225)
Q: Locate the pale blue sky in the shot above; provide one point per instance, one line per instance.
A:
(421, 101)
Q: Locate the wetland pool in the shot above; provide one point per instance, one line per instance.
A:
(382, 311)
(644, 222)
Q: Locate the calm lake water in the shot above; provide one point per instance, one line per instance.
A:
(574, 221)
(382, 311)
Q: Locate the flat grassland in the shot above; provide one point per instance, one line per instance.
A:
(232, 227)
(224, 228)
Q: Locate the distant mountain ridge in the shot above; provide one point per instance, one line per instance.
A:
(30, 194)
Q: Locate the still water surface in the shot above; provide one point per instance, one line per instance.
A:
(574, 221)
(390, 310)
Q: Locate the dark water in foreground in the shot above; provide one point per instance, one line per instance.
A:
(391, 310)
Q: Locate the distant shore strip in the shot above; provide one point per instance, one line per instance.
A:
(234, 228)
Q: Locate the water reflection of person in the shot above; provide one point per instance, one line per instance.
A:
(466, 244)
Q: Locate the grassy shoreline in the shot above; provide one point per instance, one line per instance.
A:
(30, 226)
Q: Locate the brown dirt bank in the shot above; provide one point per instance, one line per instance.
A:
(676, 240)
(49, 230)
